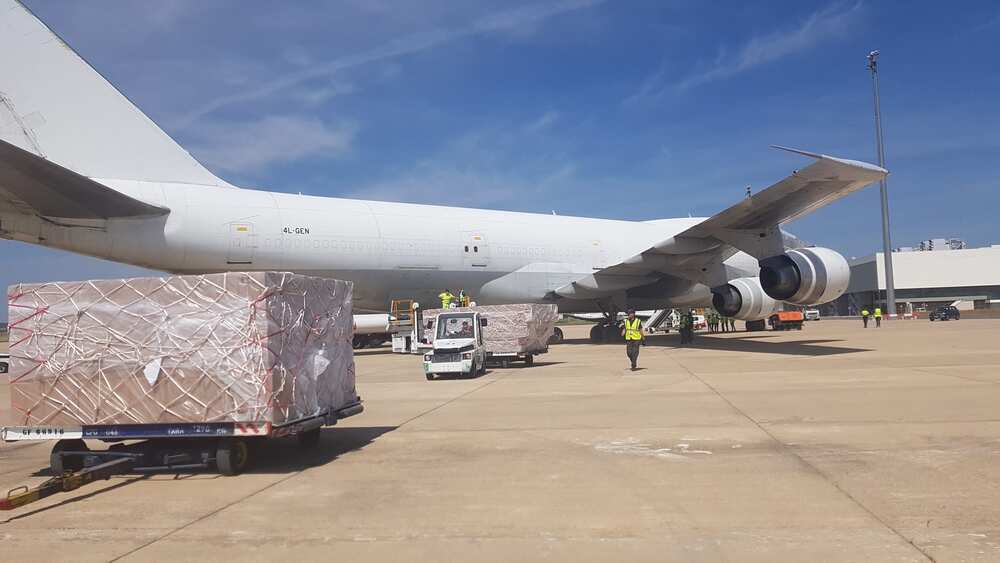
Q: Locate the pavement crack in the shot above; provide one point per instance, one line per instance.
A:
(288, 477)
(805, 463)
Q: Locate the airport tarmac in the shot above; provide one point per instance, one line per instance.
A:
(834, 443)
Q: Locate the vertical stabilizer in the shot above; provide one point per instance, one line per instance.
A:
(55, 105)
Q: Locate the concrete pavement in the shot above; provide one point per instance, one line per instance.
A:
(834, 443)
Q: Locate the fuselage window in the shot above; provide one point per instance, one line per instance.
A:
(475, 249)
(466, 248)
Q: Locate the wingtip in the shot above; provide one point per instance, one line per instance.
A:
(818, 156)
(798, 151)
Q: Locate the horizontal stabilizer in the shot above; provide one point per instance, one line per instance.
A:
(53, 191)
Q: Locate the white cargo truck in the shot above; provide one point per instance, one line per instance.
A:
(458, 346)
(514, 333)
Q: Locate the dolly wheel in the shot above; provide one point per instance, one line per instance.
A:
(557, 336)
(310, 438)
(233, 456)
(61, 464)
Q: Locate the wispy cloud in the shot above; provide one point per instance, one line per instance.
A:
(829, 23)
(503, 165)
(989, 23)
(509, 20)
(253, 146)
(826, 24)
(544, 121)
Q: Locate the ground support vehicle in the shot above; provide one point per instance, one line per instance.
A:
(458, 346)
(786, 320)
(145, 448)
(946, 313)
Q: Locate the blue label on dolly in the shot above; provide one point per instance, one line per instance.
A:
(138, 431)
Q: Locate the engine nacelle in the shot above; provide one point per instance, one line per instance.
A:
(744, 299)
(805, 276)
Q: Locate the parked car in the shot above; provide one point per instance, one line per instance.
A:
(812, 314)
(946, 313)
(4, 363)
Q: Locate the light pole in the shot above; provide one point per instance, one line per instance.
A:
(890, 286)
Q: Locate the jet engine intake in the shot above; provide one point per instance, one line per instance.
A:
(805, 276)
(744, 299)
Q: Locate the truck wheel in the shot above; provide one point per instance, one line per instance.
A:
(61, 464)
(430, 377)
(232, 456)
(310, 438)
(557, 336)
(597, 334)
(529, 360)
(482, 368)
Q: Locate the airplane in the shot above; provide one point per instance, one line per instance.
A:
(84, 170)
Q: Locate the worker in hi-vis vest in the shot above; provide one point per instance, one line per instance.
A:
(878, 317)
(864, 317)
(633, 337)
(446, 298)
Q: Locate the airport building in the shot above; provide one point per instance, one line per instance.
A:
(942, 272)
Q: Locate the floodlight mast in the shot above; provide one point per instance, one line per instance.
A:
(890, 286)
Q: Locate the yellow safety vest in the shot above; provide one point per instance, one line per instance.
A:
(878, 312)
(445, 299)
(864, 313)
(633, 329)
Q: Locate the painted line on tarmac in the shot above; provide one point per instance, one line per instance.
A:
(804, 462)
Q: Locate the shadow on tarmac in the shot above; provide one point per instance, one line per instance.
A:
(269, 456)
(742, 343)
(380, 351)
(284, 455)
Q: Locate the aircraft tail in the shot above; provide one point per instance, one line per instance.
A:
(56, 106)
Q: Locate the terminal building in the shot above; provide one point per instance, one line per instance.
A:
(939, 272)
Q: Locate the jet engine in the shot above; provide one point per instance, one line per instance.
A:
(805, 276)
(744, 299)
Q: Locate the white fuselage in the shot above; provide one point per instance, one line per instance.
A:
(390, 250)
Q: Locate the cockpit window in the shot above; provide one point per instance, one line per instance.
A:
(456, 326)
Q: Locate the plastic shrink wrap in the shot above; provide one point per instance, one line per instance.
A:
(521, 328)
(234, 347)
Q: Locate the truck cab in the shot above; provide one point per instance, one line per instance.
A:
(458, 346)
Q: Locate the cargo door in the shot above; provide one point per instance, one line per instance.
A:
(241, 243)
(476, 251)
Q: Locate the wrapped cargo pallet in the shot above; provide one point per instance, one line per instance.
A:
(511, 329)
(236, 347)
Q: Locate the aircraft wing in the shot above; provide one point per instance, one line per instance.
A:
(50, 190)
(701, 252)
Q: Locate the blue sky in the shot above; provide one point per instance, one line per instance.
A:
(628, 109)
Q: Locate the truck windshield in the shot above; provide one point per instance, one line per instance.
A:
(456, 326)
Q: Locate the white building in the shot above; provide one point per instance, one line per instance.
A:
(970, 276)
